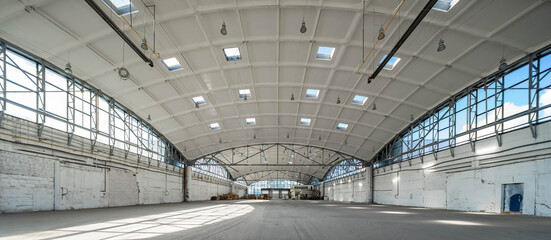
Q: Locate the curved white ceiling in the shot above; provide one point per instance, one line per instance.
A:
(278, 61)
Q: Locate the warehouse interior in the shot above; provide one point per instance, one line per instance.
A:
(275, 119)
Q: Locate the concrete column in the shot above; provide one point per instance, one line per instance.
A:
(187, 183)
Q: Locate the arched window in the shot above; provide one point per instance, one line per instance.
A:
(211, 168)
(344, 168)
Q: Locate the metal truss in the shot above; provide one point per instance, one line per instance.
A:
(477, 111)
(154, 146)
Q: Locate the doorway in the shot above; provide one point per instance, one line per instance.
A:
(513, 195)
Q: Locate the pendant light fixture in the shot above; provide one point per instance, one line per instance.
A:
(292, 97)
(381, 33)
(68, 69)
(223, 30)
(411, 118)
(374, 107)
(303, 26)
(441, 46)
(503, 63)
(338, 100)
(149, 117)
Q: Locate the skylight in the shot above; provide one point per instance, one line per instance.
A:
(391, 63)
(444, 5)
(199, 100)
(250, 121)
(360, 100)
(342, 126)
(244, 93)
(305, 121)
(172, 64)
(312, 93)
(232, 54)
(214, 126)
(121, 7)
(325, 53)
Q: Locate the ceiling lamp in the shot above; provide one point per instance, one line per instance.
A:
(196, 105)
(149, 117)
(220, 140)
(319, 138)
(338, 100)
(303, 27)
(68, 69)
(345, 142)
(223, 31)
(287, 135)
(441, 46)
(411, 118)
(503, 63)
(374, 107)
(381, 33)
(144, 45)
(292, 97)
(254, 136)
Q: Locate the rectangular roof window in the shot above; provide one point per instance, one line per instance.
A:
(232, 54)
(325, 53)
(121, 7)
(214, 126)
(360, 100)
(444, 5)
(244, 93)
(172, 64)
(391, 63)
(199, 100)
(342, 126)
(312, 93)
(250, 121)
(305, 121)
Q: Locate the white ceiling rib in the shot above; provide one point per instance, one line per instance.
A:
(277, 61)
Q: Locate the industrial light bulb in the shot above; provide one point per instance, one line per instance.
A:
(196, 105)
(381, 33)
(149, 117)
(223, 31)
(144, 45)
(303, 27)
(338, 100)
(374, 106)
(68, 69)
(441, 46)
(411, 118)
(292, 97)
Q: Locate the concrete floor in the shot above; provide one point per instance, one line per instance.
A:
(275, 219)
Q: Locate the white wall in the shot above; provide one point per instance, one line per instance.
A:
(49, 175)
(473, 181)
(203, 187)
(356, 188)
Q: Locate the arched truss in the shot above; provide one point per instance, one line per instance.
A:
(297, 176)
(211, 167)
(306, 161)
(344, 168)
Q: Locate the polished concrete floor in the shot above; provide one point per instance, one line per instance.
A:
(275, 219)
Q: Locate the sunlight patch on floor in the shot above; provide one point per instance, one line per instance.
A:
(146, 226)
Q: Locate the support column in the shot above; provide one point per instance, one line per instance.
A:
(187, 182)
